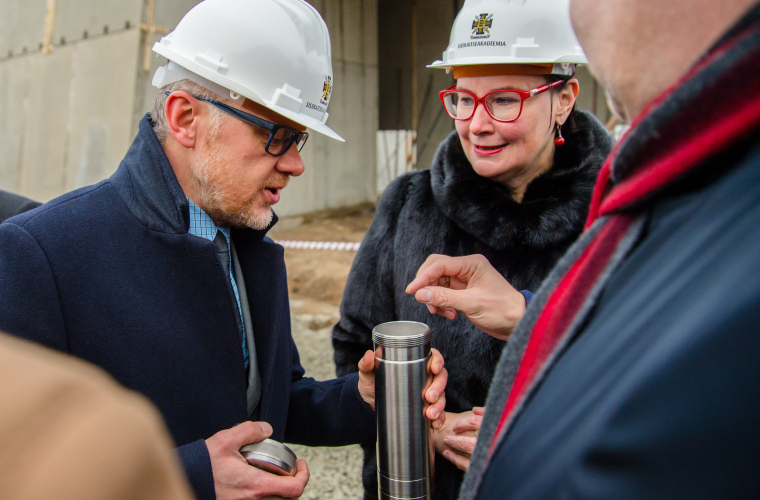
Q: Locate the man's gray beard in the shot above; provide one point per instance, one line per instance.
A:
(210, 196)
(244, 218)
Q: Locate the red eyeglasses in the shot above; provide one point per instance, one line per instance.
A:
(501, 105)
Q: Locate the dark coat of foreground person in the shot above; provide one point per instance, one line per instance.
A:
(110, 274)
(12, 204)
(635, 372)
(449, 209)
(69, 432)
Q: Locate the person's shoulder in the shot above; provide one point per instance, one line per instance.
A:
(61, 210)
(405, 188)
(13, 204)
(75, 415)
(40, 373)
(736, 195)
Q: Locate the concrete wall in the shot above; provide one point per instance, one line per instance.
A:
(61, 115)
(67, 118)
(339, 174)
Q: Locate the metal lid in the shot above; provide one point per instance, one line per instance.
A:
(401, 334)
(271, 456)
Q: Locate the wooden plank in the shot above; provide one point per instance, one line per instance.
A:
(150, 30)
(47, 40)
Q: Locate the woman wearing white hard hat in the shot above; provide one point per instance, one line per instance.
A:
(512, 183)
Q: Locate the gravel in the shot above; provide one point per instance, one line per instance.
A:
(335, 472)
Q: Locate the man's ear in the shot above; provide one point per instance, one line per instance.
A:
(182, 118)
(567, 98)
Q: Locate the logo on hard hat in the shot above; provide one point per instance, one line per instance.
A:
(481, 26)
(326, 90)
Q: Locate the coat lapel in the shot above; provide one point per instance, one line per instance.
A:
(270, 318)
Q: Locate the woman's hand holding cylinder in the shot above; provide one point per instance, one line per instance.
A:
(435, 394)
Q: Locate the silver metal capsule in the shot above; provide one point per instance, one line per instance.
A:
(404, 435)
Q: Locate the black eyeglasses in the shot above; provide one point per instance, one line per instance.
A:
(281, 137)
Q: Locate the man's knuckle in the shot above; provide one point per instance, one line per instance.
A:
(296, 490)
(224, 439)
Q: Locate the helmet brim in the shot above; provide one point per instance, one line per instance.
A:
(478, 61)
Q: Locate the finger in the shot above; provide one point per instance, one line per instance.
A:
(461, 462)
(436, 362)
(287, 487)
(367, 364)
(436, 410)
(436, 414)
(437, 387)
(246, 433)
(463, 444)
(467, 424)
(478, 410)
(448, 313)
(302, 472)
(440, 266)
(446, 298)
(424, 269)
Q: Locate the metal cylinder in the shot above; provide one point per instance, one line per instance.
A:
(404, 435)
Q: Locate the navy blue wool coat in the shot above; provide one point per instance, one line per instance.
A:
(109, 274)
(655, 391)
(12, 204)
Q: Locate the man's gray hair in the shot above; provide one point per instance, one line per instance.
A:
(158, 113)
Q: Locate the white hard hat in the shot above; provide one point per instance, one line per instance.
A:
(513, 32)
(274, 52)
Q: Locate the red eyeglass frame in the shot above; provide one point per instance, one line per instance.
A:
(524, 94)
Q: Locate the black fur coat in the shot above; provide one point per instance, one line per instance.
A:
(451, 210)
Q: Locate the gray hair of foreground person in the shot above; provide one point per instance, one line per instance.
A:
(70, 432)
(158, 112)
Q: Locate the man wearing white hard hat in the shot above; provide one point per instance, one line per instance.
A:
(163, 274)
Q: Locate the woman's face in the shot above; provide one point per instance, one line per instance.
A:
(516, 152)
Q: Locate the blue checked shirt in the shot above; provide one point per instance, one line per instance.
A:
(202, 225)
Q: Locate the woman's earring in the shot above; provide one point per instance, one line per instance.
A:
(559, 140)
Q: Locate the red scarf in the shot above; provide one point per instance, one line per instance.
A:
(712, 108)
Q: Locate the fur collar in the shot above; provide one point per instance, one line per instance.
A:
(555, 204)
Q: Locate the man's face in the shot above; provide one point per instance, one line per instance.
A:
(604, 30)
(637, 49)
(237, 181)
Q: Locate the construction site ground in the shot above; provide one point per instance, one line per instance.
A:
(315, 281)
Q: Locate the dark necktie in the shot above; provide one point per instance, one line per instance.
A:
(220, 242)
(223, 251)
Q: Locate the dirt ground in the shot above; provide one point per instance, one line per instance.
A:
(316, 279)
(321, 274)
